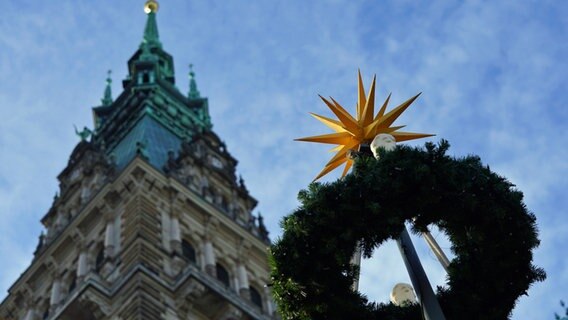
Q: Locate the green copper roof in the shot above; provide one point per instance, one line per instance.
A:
(151, 116)
(150, 60)
(151, 35)
(148, 138)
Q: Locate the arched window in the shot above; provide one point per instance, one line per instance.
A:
(188, 251)
(224, 204)
(223, 275)
(255, 297)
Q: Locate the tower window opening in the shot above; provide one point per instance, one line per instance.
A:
(100, 260)
(224, 204)
(255, 297)
(223, 275)
(145, 77)
(73, 284)
(188, 251)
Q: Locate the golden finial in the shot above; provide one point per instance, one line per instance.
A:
(151, 6)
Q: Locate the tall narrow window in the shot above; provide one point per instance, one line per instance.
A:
(223, 275)
(100, 259)
(73, 284)
(188, 251)
(255, 297)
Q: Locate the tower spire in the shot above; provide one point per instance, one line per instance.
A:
(193, 92)
(151, 35)
(107, 97)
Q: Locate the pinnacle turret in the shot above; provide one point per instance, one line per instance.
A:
(150, 63)
(193, 92)
(107, 97)
(151, 35)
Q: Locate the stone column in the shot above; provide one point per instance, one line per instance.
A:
(85, 192)
(174, 236)
(209, 258)
(30, 314)
(59, 220)
(210, 229)
(243, 288)
(82, 265)
(109, 235)
(55, 292)
(175, 232)
(166, 229)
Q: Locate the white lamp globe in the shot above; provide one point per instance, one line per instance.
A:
(402, 294)
(382, 140)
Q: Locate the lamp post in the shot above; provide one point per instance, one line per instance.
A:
(431, 307)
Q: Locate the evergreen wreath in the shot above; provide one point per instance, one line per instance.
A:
(491, 232)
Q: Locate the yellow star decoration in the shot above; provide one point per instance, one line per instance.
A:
(350, 133)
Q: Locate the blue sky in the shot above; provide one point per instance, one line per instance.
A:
(493, 77)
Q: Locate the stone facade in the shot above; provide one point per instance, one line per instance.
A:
(145, 246)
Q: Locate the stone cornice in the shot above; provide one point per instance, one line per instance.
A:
(192, 277)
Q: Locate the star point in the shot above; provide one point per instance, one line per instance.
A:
(351, 132)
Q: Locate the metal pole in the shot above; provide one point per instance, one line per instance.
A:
(356, 260)
(430, 305)
(433, 244)
(363, 151)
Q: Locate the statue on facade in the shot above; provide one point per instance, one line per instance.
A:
(171, 164)
(251, 222)
(262, 228)
(141, 150)
(84, 134)
(40, 243)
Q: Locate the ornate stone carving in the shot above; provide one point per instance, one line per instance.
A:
(96, 304)
(230, 312)
(194, 289)
(172, 164)
(190, 294)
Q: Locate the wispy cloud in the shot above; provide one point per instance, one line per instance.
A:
(493, 77)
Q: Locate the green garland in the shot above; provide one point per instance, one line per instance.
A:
(491, 232)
